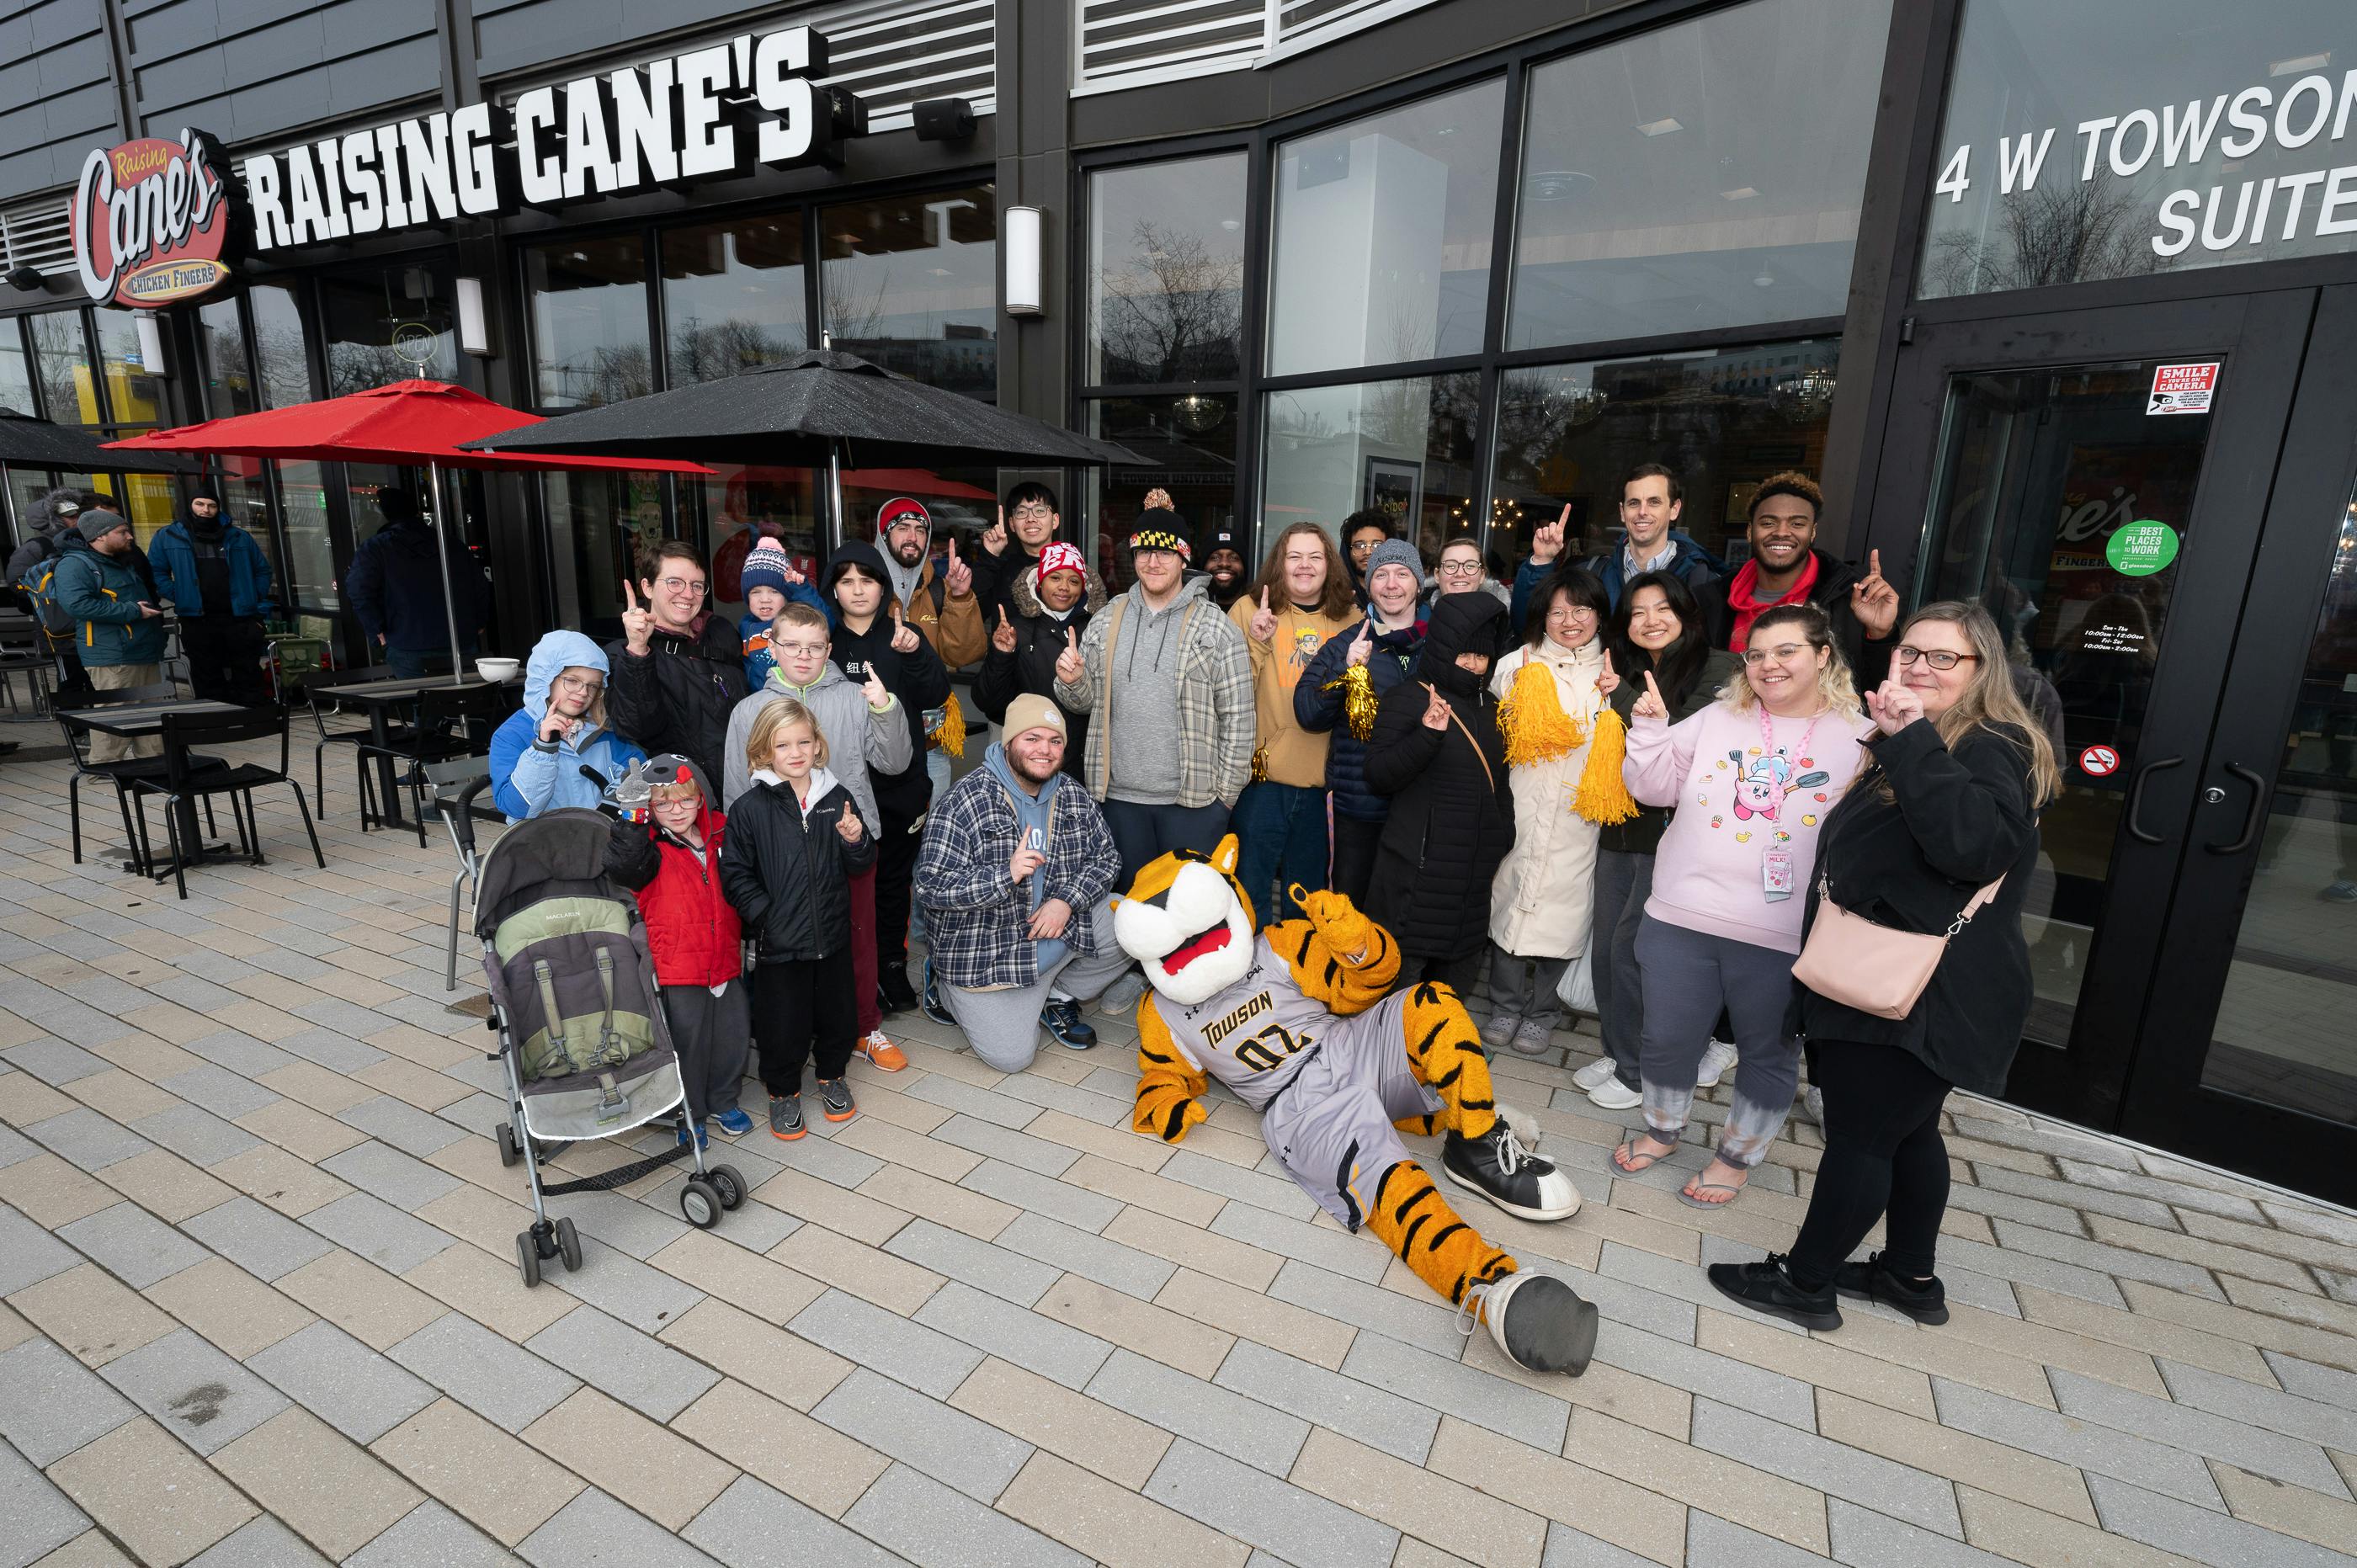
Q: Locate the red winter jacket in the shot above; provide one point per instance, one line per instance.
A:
(691, 926)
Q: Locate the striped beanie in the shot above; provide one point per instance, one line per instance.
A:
(1160, 530)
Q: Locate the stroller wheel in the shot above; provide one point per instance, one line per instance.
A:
(527, 1258)
(728, 1183)
(509, 1153)
(700, 1203)
(568, 1245)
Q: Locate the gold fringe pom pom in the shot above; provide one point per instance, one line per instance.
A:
(1359, 700)
(950, 734)
(1532, 720)
(1602, 797)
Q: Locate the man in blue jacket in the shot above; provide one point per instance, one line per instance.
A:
(396, 585)
(218, 579)
(117, 629)
(538, 754)
(1651, 499)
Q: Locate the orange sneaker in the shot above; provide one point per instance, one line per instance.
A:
(878, 1048)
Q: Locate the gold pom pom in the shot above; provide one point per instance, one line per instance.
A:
(1359, 700)
(1532, 720)
(950, 734)
(1602, 797)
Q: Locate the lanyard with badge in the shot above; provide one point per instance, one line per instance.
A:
(1775, 861)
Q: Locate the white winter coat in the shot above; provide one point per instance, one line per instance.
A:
(1543, 898)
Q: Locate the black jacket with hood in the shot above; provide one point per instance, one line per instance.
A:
(1452, 816)
(1869, 662)
(789, 874)
(920, 678)
(1031, 668)
(677, 695)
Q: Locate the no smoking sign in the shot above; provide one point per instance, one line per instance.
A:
(2099, 762)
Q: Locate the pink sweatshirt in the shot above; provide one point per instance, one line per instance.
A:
(1735, 800)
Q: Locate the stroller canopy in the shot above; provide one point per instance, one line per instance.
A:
(563, 853)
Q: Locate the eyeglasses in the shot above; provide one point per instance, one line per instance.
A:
(1364, 546)
(1783, 653)
(1460, 568)
(682, 586)
(1937, 658)
(1032, 513)
(575, 684)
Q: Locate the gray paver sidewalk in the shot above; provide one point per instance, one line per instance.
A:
(261, 1305)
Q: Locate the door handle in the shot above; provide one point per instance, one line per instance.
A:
(2136, 797)
(2251, 823)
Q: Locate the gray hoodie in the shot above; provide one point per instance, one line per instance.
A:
(841, 712)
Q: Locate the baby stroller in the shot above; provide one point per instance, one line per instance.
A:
(580, 1022)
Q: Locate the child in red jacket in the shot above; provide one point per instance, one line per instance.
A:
(674, 865)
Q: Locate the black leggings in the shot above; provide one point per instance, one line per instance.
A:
(1883, 1154)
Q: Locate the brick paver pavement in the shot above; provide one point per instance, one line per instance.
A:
(262, 1306)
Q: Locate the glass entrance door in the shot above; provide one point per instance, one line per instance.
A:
(2133, 495)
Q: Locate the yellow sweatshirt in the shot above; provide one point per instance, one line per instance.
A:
(1289, 753)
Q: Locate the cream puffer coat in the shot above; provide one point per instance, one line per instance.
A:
(1543, 898)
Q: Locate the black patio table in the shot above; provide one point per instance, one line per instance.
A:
(137, 720)
(381, 698)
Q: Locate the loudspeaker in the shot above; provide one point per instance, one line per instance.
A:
(943, 120)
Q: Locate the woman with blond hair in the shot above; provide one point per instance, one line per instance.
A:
(1752, 777)
(1947, 806)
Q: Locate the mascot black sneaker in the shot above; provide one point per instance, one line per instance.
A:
(1541, 1323)
(1509, 1174)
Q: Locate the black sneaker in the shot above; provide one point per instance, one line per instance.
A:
(1873, 1280)
(1766, 1287)
(1541, 1323)
(1524, 1185)
(893, 992)
(1062, 1018)
(834, 1100)
(932, 1006)
(786, 1117)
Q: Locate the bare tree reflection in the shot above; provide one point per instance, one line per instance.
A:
(1173, 313)
(2074, 233)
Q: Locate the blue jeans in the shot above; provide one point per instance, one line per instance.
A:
(1281, 838)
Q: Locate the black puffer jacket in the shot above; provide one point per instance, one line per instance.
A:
(1452, 817)
(1642, 834)
(789, 877)
(920, 680)
(678, 695)
(1031, 668)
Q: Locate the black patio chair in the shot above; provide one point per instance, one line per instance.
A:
(456, 784)
(451, 724)
(187, 775)
(118, 774)
(324, 706)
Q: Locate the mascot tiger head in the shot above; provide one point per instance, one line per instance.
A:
(1187, 922)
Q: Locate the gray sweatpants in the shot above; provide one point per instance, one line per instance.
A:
(713, 1035)
(1331, 1125)
(1689, 977)
(1003, 1026)
(1526, 988)
(1623, 883)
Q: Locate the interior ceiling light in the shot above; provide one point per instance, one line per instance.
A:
(2299, 63)
(1559, 184)
(1661, 127)
(1741, 193)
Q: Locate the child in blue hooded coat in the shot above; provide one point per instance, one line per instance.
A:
(538, 754)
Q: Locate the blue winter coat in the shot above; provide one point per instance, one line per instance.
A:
(528, 777)
(102, 595)
(1692, 565)
(174, 556)
(396, 585)
(759, 659)
(1315, 708)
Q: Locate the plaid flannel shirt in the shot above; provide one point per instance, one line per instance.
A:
(1217, 714)
(976, 915)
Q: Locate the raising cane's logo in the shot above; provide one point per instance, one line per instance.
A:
(151, 219)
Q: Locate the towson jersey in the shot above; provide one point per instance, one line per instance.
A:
(1252, 1035)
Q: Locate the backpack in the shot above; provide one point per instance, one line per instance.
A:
(40, 583)
(573, 977)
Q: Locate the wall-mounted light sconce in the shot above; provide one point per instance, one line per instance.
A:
(474, 324)
(1021, 244)
(152, 358)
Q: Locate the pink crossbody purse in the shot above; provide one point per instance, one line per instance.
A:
(1874, 968)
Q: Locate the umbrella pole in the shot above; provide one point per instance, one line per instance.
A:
(834, 497)
(442, 553)
(8, 509)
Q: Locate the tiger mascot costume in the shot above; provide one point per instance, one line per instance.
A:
(1301, 1024)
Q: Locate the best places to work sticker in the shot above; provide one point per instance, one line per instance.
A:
(2140, 549)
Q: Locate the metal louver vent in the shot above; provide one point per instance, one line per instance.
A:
(1133, 43)
(893, 55)
(37, 234)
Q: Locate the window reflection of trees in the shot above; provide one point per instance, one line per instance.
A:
(2072, 233)
(1174, 312)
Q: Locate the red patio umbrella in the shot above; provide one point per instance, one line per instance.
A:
(407, 424)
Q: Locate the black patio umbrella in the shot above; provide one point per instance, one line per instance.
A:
(30, 443)
(820, 408)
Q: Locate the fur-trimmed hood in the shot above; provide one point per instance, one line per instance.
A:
(1026, 592)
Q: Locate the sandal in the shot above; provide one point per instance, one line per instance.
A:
(1687, 1194)
(1626, 1153)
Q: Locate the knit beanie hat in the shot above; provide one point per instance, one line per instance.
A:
(96, 525)
(899, 507)
(765, 566)
(1060, 557)
(1159, 530)
(1217, 536)
(1031, 711)
(1397, 553)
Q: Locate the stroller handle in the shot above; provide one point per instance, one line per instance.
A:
(458, 811)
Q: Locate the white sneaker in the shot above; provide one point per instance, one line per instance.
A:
(1599, 1071)
(1715, 1062)
(1614, 1095)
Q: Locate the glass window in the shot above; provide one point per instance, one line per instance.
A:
(739, 503)
(382, 324)
(16, 372)
(1166, 271)
(732, 296)
(149, 501)
(912, 283)
(598, 520)
(1700, 176)
(1722, 419)
(246, 501)
(278, 342)
(2114, 138)
(26, 487)
(588, 321)
(220, 355)
(1404, 447)
(135, 390)
(310, 551)
(61, 364)
(1383, 235)
(1190, 442)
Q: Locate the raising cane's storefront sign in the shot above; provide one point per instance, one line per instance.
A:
(151, 221)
